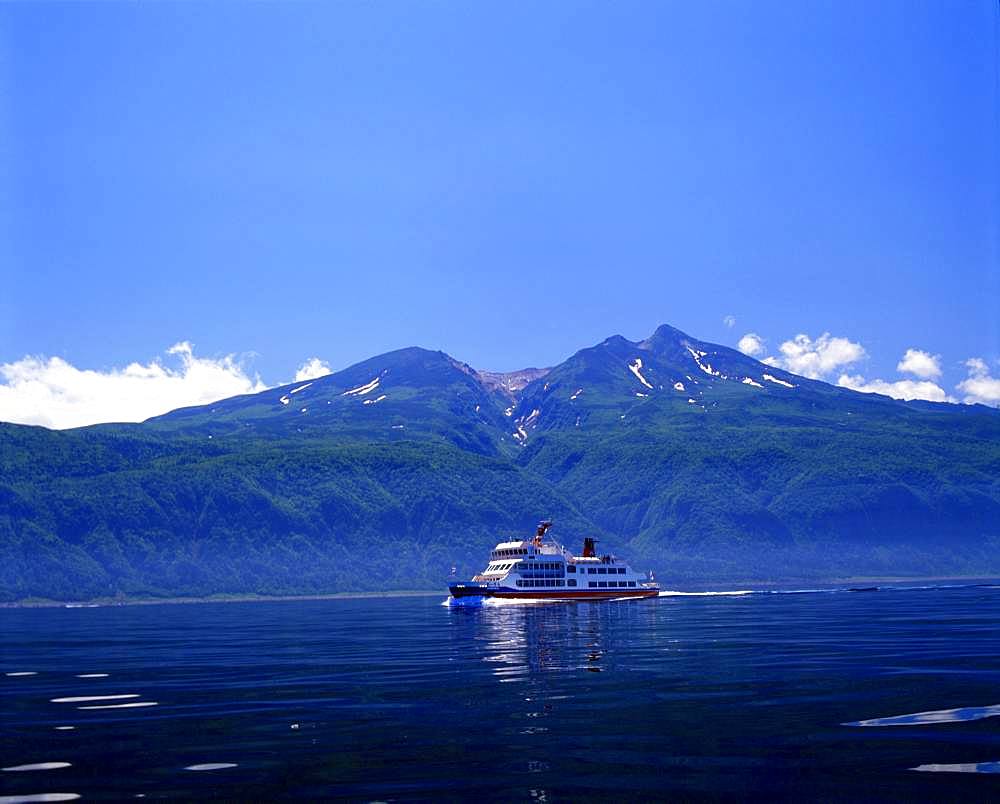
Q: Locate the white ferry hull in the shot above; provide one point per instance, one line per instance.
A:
(473, 589)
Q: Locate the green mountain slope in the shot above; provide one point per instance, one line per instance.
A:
(688, 457)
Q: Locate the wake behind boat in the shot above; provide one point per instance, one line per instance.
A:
(540, 569)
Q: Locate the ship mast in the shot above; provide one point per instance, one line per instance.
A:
(543, 526)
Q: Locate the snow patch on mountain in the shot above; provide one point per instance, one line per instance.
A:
(635, 367)
(750, 381)
(678, 386)
(373, 401)
(361, 390)
(773, 379)
(706, 366)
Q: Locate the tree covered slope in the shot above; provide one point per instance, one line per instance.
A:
(688, 457)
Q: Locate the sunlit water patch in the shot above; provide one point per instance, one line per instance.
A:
(39, 797)
(962, 767)
(938, 716)
(37, 766)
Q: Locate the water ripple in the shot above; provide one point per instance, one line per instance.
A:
(84, 698)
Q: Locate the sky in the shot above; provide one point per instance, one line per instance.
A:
(201, 199)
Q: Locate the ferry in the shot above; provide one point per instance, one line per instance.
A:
(544, 569)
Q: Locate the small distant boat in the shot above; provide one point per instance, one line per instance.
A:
(539, 569)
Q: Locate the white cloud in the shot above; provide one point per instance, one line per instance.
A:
(818, 358)
(56, 394)
(900, 389)
(751, 344)
(729, 321)
(920, 364)
(979, 386)
(977, 367)
(311, 369)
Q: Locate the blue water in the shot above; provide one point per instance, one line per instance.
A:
(881, 695)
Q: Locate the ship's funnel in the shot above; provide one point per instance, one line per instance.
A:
(589, 550)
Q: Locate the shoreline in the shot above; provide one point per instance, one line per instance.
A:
(104, 602)
(758, 585)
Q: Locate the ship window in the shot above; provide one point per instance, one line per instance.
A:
(601, 571)
(602, 584)
(592, 583)
(571, 568)
(631, 583)
(621, 570)
(520, 582)
(623, 583)
(559, 583)
(571, 582)
(591, 570)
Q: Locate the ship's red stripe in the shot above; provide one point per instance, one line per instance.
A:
(572, 595)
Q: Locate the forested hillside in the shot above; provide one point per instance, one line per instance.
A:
(689, 458)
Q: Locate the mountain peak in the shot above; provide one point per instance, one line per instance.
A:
(664, 337)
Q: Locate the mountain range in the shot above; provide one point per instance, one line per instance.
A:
(689, 458)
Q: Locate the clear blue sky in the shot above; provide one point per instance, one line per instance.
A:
(508, 182)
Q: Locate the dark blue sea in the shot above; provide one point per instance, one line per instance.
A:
(891, 694)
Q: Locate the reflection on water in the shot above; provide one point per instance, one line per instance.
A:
(938, 716)
(39, 797)
(210, 766)
(967, 767)
(523, 638)
(38, 766)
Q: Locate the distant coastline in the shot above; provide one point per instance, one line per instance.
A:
(755, 585)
